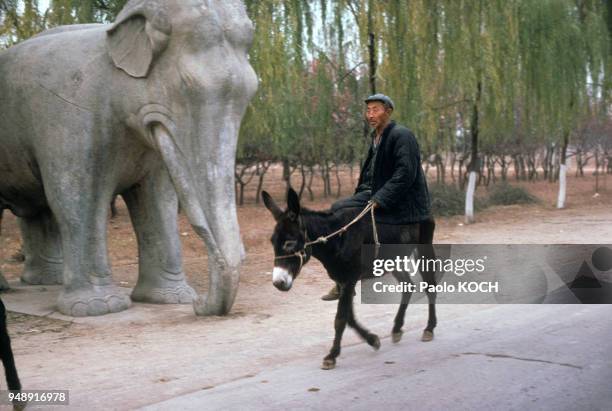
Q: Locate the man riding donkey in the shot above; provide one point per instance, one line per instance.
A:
(392, 176)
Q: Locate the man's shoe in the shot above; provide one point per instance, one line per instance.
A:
(332, 295)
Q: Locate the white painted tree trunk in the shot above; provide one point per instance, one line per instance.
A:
(562, 186)
(469, 198)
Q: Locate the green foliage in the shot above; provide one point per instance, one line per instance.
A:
(21, 19)
(507, 194)
(449, 200)
(541, 64)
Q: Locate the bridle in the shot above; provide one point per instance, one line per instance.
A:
(302, 253)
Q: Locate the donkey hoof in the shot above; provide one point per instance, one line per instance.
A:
(374, 341)
(328, 364)
(427, 336)
(396, 337)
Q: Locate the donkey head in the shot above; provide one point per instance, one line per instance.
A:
(289, 240)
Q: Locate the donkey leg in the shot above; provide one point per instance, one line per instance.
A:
(398, 323)
(329, 362)
(372, 339)
(6, 354)
(430, 277)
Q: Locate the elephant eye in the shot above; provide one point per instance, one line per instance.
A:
(289, 245)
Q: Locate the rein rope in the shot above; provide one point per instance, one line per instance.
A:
(301, 254)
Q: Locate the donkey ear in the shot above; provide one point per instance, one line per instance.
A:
(271, 205)
(293, 201)
(138, 36)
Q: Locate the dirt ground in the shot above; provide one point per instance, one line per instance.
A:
(256, 223)
(151, 353)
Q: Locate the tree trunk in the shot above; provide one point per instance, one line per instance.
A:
(517, 173)
(596, 172)
(372, 47)
(323, 178)
(562, 186)
(241, 202)
(469, 198)
(531, 167)
(504, 169)
(551, 165)
(563, 172)
(337, 172)
(287, 173)
(328, 178)
(311, 173)
(440, 170)
(460, 173)
(262, 172)
(474, 166)
(303, 184)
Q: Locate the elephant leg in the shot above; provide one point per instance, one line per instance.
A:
(43, 250)
(81, 214)
(4, 285)
(153, 208)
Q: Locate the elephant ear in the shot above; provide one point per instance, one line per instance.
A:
(138, 37)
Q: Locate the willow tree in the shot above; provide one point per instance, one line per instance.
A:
(19, 20)
(562, 45)
(446, 60)
(63, 12)
(270, 125)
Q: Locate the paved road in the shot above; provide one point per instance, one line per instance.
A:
(512, 357)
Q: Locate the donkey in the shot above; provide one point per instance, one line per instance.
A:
(6, 354)
(340, 256)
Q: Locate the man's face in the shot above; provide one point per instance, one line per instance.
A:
(376, 114)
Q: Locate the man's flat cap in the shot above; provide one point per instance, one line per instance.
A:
(382, 98)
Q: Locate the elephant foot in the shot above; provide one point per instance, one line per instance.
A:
(4, 285)
(174, 293)
(97, 300)
(44, 274)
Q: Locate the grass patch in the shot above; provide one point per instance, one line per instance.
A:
(507, 194)
(448, 200)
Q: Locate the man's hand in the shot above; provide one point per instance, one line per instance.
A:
(374, 204)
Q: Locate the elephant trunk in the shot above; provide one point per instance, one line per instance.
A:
(215, 178)
(203, 176)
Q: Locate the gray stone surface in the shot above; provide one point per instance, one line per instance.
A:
(514, 357)
(148, 107)
(4, 285)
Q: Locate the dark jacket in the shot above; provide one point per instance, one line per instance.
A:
(398, 183)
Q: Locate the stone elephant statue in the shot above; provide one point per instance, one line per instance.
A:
(148, 107)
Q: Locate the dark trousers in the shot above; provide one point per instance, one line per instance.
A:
(358, 200)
